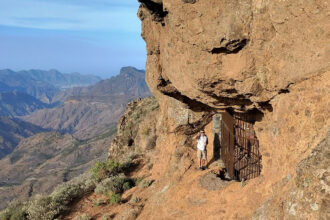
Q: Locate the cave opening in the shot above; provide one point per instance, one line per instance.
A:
(236, 144)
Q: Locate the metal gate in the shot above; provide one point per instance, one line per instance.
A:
(227, 143)
(240, 147)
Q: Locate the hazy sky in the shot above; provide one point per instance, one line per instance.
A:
(87, 36)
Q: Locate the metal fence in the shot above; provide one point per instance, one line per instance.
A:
(240, 147)
(227, 143)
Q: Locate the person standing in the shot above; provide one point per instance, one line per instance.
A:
(202, 142)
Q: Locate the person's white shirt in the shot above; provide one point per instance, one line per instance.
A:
(201, 142)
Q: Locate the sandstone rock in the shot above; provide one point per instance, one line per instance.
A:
(237, 54)
(252, 56)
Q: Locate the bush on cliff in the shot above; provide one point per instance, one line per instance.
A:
(115, 184)
(50, 206)
(111, 167)
(115, 198)
(15, 211)
(102, 170)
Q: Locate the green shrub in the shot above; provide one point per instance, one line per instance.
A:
(128, 165)
(115, 184)
(83, 217)
(113, 167)
(127, 186)
(49, 207)
(138, 180)
(15, 211)
(99, 171)
(44, 208)
(102, 170)
(145, 183)
(115, 198)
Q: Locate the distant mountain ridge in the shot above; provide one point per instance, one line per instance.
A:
(61, 80)
(129, 82)
(15, 103)
(41, 84)
(88, 111)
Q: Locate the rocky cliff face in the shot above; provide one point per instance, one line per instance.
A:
(238, 54)
(265, 58)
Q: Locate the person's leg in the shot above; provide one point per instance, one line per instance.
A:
(199, 156)
(205, 158)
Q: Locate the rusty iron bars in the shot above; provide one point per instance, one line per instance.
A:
(239, 147)
(247, 159)
(227, 143)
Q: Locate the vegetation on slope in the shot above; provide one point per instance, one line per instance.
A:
(41, 162)
(107, 179)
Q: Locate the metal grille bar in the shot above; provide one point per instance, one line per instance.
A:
(239, 147)
(247, 159)
(227, 143)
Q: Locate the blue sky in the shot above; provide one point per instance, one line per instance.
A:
(87, 36)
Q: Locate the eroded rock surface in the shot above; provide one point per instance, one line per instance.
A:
(271, 57)
(238, 54)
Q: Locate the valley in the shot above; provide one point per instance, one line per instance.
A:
(12, 131)
(45, 144)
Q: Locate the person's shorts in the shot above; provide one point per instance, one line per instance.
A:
(201, 154)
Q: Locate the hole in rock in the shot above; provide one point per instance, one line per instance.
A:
(155, 9)
(236, 145)
(233, 46)
(130, 142)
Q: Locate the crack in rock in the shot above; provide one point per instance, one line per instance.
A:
(229, 46)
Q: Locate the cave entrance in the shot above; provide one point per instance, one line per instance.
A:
(239, 146)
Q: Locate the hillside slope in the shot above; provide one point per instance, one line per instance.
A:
(43, 161)
(18, 104)
(12, 131)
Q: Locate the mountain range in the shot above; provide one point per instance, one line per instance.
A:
(16, 103)
(88, 111)
(58, 142)
(43, 85)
